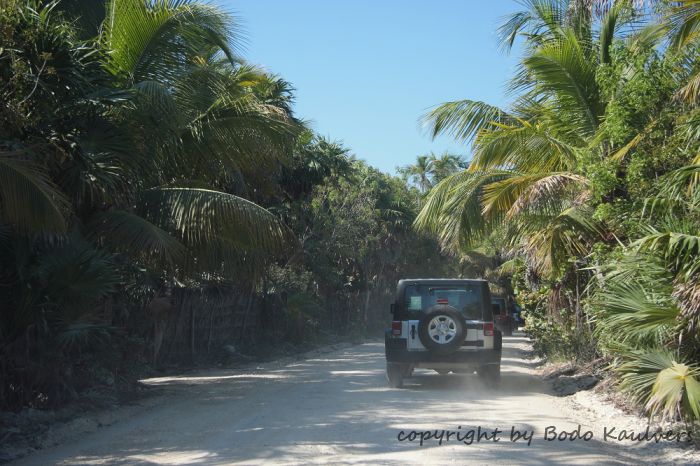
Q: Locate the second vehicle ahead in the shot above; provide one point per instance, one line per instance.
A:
(503, 317)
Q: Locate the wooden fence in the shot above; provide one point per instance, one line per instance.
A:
(201, 321)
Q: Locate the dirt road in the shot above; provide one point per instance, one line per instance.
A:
(337, 409)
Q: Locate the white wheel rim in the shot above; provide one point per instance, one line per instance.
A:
(442, 329)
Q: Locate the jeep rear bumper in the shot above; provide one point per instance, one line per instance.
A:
(395, 350)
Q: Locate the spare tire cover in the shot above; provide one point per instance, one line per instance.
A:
(442, 329)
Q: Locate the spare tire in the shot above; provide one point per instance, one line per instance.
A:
(441, 329)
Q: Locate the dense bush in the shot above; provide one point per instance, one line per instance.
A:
(590, 178)
(158, 196)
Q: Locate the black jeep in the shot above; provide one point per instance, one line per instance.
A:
(445, 325)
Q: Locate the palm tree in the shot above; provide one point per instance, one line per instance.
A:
(177, 56)
(176, 108)
(529, 182)
(526, 161)
(118, 157)
(431, 169)
(444, 165)
(419, 172)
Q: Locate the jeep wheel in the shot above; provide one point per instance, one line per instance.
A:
(394, 374)
(441, 329)
(490, 374)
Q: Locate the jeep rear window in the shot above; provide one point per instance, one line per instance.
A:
(467, 299)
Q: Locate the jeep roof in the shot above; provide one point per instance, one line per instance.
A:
(401, 287)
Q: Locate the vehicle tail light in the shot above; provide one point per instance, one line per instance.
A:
(443, 301)
(488, 329)
(396, 327)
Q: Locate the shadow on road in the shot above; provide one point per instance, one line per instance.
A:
(338, 409)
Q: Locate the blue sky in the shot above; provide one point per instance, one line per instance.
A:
(365, 71)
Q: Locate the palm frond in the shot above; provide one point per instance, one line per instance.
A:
(75, 276)
(667, 385)
(223, 118)
(690, 92)
(29, 200)
(622, 152)
(637, 296)
(647, 38)
(509, 267)
(547, 190)
(675, 388)
(125, 231)
(218, 228)
(562, 70)
(678, 188)
(453, 209)
(684, 21)
(550, 240)
(611, 22)
(646, 315)
(462, 119)
(78, 336)
(523, 146)
(155, 40)
(541, 21)
(500, 196)
(680, 250)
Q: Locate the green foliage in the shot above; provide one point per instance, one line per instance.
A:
(589, 181)
(137, 151)
(637, 297)
(558, 340)
(429, 170)
(636, 83)
(558, 332)
(669, 389)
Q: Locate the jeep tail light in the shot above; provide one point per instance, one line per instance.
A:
(443, 301)
(396, 327)
(488, 329)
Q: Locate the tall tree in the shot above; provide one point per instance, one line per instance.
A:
(419, 172)
(120, 158)
(526, 165)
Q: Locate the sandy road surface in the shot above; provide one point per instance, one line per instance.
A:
(337, 409)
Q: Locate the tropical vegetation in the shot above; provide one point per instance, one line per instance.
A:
(144, 165)
(586, 186)
(155, 186)
(429, 170)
